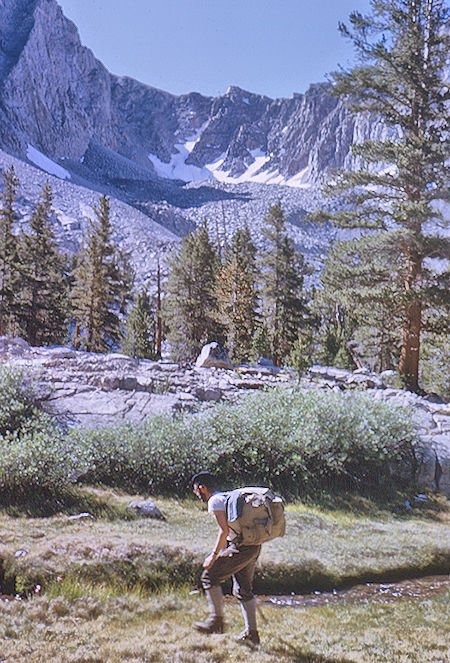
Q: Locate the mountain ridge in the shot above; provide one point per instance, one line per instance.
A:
(58, 97)
(174, 159)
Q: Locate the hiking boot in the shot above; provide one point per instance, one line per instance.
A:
(248, 637)
(213, 624)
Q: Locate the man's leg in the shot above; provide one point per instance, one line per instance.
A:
(230, 561)
(214, 596)
(243, 590)
(214, 623)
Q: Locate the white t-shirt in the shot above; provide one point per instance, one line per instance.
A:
(217, 502)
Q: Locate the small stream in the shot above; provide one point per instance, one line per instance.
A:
(381, 592)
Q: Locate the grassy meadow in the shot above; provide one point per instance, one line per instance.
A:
(116, 588)
(96, 627)
(323, 548)
(112, 586)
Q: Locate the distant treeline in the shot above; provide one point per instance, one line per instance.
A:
(253, 302)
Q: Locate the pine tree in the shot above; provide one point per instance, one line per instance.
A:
(237, 296)
(334, 327)
(349, 284)
(261, 346)
(101, 286)
(403, 47)
(282, 272)
(190, 305)
(301, 353)
(43, 294)
(8, 252)
(140, 329)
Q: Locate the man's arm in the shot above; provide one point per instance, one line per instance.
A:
(221, 540)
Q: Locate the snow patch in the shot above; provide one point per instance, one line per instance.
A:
(177, 168)
(299, 181)
(47, 164)
(255, 173)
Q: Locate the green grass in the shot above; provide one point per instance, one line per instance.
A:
(93, 628)
(322, 549)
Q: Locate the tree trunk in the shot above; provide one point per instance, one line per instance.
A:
(412, 324)
(409, 357)
(158, 335)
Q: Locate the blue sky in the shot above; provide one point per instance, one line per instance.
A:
(272, 47)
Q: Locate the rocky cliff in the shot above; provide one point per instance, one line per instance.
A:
(166, 161)
(57, 98)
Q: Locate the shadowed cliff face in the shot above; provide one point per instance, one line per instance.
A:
(56, 96)
(16, 21)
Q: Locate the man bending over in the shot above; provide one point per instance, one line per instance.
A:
(226, 559)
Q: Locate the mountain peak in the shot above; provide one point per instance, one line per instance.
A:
(58, 99)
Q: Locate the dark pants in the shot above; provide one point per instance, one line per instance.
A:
(236, 561)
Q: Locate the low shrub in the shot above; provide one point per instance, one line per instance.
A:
(18, 407)
(34, 466)
(159, 456)
(300, 441)
(293, 441)
(297, 442)
(34, 460)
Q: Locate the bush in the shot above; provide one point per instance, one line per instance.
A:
(159, 456)
(294, 442)
(18, 408)
(35, 463)
(33, 466)
(299, 443)
(312, 441)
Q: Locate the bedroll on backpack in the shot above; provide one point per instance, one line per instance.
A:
(255, 515)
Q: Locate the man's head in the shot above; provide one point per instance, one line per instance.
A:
(204, 484)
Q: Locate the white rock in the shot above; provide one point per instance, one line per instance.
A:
(213, 355)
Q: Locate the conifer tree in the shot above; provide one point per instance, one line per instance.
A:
(43, 294)
(282, 272)
(334, 326)
(301, 353)
(261, 346)
(237, 296)
(101, 286)
(375, 328)
(140, 339)
(190, 305)
(8, 252)
(403, 48)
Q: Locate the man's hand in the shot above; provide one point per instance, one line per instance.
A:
(209, 561)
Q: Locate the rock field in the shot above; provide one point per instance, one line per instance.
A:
(91, 390)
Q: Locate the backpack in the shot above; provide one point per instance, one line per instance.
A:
(255, 515)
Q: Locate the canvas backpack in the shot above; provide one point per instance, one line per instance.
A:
(255, 515)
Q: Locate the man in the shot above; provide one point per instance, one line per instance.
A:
(226, 559)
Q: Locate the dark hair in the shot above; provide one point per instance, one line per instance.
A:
(205, 479)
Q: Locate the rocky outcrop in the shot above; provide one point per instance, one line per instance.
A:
(88, 389)
(92, 390)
